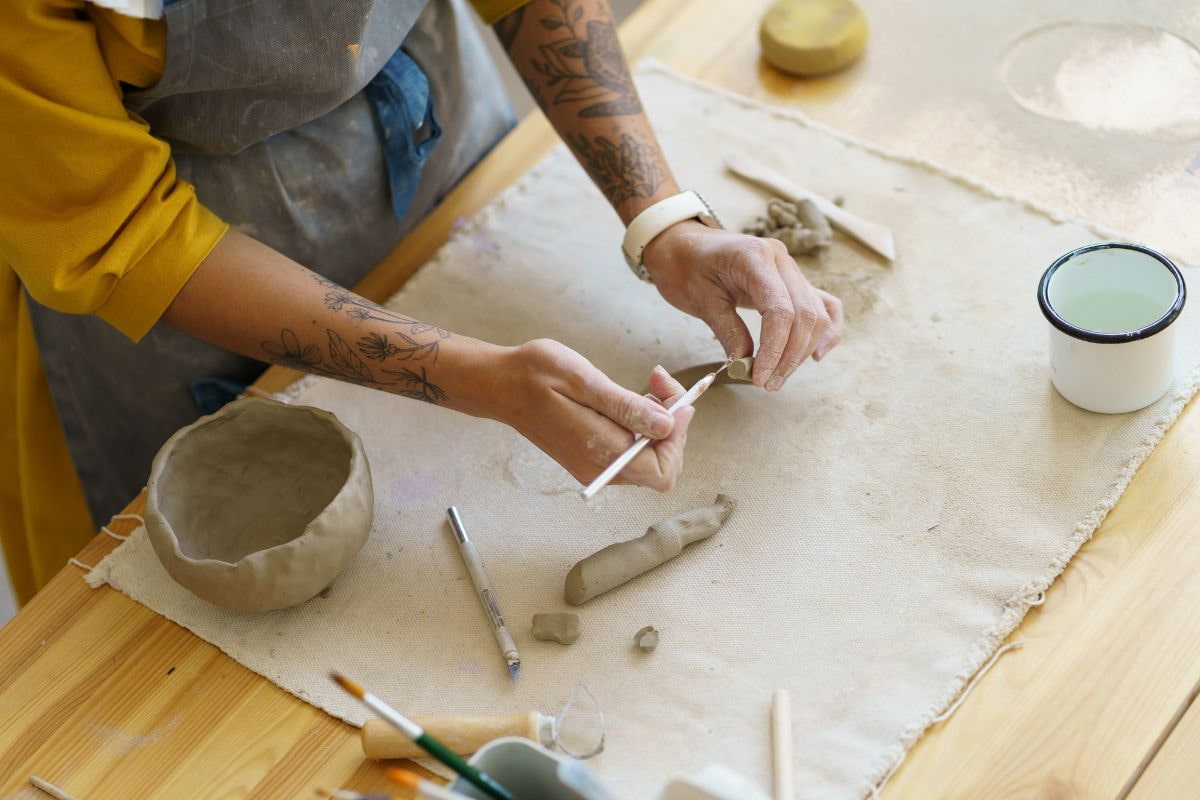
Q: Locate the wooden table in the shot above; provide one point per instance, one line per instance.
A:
(107, 699)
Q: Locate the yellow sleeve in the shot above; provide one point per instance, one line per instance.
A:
(492, 10)
(92, 217)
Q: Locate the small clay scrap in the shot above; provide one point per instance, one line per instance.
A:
(558, 627)
(646, 639)
(622, 562)
(801, 226)
(740, 369)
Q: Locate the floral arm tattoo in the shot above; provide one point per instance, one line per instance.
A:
(569, 56)
(374, 358)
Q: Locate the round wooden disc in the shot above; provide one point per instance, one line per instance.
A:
(812, 37)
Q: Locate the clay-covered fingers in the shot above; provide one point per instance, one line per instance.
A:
(720, 314)
(659, 465)
(833, 306)
(769, 295)
(810, 320)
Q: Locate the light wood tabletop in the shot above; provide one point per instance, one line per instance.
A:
(106, 699)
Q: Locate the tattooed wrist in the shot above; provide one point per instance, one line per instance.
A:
(337, 358)
(623, 170)
(376, 358)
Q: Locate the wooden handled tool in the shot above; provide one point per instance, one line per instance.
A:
(462, 734)
(875, 236)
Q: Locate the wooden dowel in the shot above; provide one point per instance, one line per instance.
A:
(781, 739)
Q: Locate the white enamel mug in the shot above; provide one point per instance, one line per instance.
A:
(1110, 308)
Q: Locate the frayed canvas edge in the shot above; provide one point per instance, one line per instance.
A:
(1013, 613)
(101, 575)
(1017, 607)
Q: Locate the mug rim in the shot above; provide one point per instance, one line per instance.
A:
(1086, 335)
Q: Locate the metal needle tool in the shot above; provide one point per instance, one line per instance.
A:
(487, 594)
(639, 443)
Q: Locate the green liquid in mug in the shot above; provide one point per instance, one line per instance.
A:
(1111, 311)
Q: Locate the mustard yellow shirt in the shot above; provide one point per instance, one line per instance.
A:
(92, 221)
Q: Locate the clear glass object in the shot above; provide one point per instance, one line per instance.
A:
(578, 730)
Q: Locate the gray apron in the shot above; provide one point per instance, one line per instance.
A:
(263, 104)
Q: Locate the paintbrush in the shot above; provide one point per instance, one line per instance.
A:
(421, 788)
(413, 731)
(640, 442)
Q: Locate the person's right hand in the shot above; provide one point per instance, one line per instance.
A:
(583, 420)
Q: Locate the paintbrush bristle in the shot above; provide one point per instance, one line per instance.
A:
(409, 780)
(347, 684)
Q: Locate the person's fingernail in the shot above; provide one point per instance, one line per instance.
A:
(660, 424)
(775, 384)
(818, 354)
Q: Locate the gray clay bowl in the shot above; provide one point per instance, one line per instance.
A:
(260, 505)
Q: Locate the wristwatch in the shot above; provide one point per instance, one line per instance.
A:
(655, 219)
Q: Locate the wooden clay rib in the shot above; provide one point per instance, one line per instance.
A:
(620, 563)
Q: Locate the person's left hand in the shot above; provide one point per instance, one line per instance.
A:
(709, 273)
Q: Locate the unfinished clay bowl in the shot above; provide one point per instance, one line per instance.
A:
(260, 505)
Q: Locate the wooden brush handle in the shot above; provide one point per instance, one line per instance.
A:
(462, 734)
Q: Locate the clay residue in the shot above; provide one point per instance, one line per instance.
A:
(858, 291)
(1106, 77)
(800, 225)
(530, 469)
(119, 743)
(646, 639)
(874, 410)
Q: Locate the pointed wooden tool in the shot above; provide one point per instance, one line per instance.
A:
(873, 235)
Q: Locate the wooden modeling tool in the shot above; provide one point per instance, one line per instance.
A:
(487, 595)
(423, 789)
(781, 745)
(433, 747)
(464, 734)
(49, 788)
(875, 236)
(347, 794)
(639, 443)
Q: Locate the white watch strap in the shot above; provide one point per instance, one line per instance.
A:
(656, 219)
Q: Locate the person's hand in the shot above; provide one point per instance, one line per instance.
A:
(576, 415)
(709, 273)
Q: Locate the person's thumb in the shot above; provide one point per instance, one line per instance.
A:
(630, 410)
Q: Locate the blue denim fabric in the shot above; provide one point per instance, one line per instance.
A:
(403, 106)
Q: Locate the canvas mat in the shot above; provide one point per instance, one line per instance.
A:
(900, 504)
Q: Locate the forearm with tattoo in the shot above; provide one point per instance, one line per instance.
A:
(385, 360)
(568, 54)
(250, 299)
